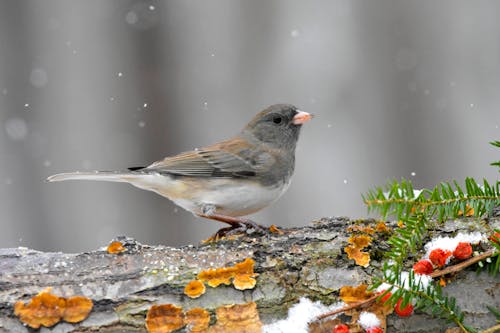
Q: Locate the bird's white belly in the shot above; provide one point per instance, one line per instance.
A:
(229, 199)
(222, 196)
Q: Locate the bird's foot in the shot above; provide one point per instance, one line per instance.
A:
(241, 227)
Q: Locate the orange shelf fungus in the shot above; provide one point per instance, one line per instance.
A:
(197, 320)
(216, 277)
(361, 228)
(243, 282)
(77, 309)
(46, 309)
(350, 294)
(116, 247)
(194, 289)
(164, 318)
(469, 211)
(242, 275)
(237, 318)
(381, 227)
(275, 230)
(354, 251)
(168, 318)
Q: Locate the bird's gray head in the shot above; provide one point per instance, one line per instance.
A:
(278, 125)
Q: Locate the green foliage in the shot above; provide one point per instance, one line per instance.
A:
(496, 144)
(496, 312)
(429, 298)
(415, 209)
(408, 239)
(493, 263)
(443, 202)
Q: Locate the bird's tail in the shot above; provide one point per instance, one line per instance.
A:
(108, 176)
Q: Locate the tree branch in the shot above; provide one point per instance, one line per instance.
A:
(301, 262)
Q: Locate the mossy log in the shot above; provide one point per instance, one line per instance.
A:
(300, 262)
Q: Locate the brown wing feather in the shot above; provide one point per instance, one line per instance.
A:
(226, 159)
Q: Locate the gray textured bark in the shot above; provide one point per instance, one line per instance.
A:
(307, 261)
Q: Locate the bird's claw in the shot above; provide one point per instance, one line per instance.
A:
(244, 226)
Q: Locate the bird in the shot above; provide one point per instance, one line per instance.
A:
(227, 180)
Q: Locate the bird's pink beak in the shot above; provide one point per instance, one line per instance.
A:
(301, 117)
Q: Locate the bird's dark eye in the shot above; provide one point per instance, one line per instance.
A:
(277, 120)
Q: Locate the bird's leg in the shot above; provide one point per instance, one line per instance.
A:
(237, 225)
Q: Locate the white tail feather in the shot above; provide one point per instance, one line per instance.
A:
(151, 182)
(107, 176)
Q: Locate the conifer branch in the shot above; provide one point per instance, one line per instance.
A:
(356, 305)
(415, 209)
(497, 163)
(493, 329)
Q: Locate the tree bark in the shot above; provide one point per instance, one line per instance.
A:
(301, 262)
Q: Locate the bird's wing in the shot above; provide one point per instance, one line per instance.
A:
(227, 159)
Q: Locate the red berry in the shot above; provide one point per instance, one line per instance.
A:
(423, 266)
(341, 328)
(386, 296)
(495, 238)
(439, 256)
(375, 329)
(463, 251)
(406, 311)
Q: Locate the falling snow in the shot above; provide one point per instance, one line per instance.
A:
(39, 77)
(131, 18)
(16, 129)
(295, 33)
(142, 16)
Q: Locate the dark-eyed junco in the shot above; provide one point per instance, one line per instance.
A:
(229, 179)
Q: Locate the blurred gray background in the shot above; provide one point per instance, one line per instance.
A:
(400, 89)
